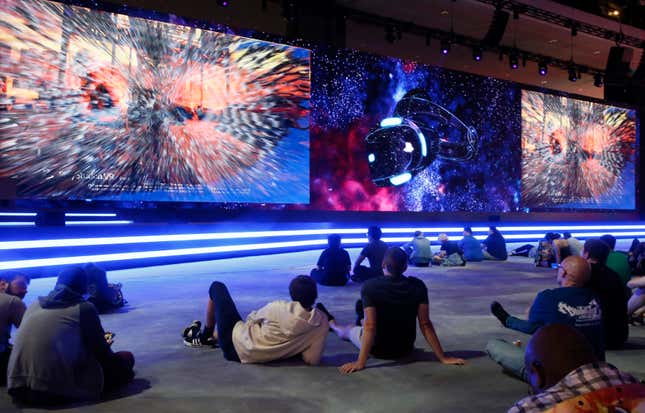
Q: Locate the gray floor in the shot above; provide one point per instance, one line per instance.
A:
(173, 378)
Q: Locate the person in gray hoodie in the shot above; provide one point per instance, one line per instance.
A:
(60, 353)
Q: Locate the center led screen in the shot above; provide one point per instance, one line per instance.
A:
(96, 105)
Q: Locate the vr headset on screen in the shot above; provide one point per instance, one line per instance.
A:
(418, 133)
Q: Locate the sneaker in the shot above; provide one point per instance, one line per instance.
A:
(192, 334)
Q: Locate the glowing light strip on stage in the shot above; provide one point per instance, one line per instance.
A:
(90, 214)
(17, 224)
(115, 222)
(143, 239)
(47, 262)
(18, 214)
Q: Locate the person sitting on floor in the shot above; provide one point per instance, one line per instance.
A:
(391, 305)
(60, 352)
(617, 261)
(418, 250)
(565, 374)
(636, 257)
(105, 296)
(470, 246)
(494, 246)
(12, 310)
(449, 254)
(572, 303)
(636, 303)
(575, 246)
(333, 264)
(611, 293)
(279, 330)
(374, 252)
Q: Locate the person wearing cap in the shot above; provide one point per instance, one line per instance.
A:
(60, 353)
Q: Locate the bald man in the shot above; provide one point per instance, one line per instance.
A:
(560, 364)
(572, 304)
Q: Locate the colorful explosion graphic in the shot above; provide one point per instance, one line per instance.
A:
(577, 154)
(106, 106)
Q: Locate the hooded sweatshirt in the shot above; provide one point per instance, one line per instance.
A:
(281, 329)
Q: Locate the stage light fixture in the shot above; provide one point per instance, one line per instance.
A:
(513, 60)
(445, 46)
(598, 80)
(542, 68)
(223, 3)
(573, 73)
(477, 53)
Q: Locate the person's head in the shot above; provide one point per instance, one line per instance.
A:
(333, 241)
(468, 231)
(567, 235)
(574, 271)
(74, 278)
(303, 289)
(595, 251)
(374, 233)
(418, 234)
(14, 283)
(553, 352)
(395, 261)
(610, 240)
(443, 238)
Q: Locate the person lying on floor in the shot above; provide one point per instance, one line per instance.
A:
(13, 288)
(391, 305)
(279, 330)
(565, 376)
(573, 304)
(60, 353)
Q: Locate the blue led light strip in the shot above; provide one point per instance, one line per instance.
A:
(90, 214)
(18, 214)
(115, 222)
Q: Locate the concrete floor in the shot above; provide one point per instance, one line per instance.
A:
(173, 378)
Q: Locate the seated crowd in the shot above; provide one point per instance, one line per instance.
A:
(61, 352)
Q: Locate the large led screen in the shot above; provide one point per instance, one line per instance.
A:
(96, 105)
(394, 135)
(577, 154)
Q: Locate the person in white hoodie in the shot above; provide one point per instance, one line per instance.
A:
(279, 330)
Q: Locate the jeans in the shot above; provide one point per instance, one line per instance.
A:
(226, 316)
(523, 326)
(509, 356)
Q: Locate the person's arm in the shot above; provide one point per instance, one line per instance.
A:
(93, 334)
(312, 355)
(358, 262)
(17, 310)
(423, 314)
(322, 260)
(367, 341)
(636, 282)
(538, 315)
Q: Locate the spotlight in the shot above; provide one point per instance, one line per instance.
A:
(597, 80)
(389, 33)
(573, 73)
(542, 68)
(222, 3)
(445, 46)
(477, 53)
(513, 60)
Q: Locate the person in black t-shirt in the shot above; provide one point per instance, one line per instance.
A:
(611, 293)
(374, 252)
(391, 305)
(333, 265)
(449, 254)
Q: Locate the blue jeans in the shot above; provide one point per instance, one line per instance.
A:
(509, 356)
